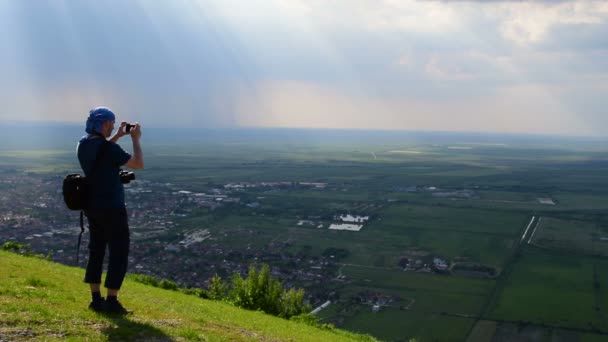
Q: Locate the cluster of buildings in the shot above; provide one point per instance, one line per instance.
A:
(34, 212)
(349, 222)
(247, 185)
(436, 192)
(425, 265)
(376, 300)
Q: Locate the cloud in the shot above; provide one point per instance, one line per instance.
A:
(438, 69)
(143, 60)
(530, 22)
(424, 64)
(530, 108)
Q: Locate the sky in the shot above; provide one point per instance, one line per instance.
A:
(476, 66)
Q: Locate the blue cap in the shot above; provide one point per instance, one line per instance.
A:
(97, 116)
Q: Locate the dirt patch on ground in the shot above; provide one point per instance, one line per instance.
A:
(167, 322)
(17, 334)
(240, 334)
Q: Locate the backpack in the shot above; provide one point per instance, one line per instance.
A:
(75, 185)
(75, 192)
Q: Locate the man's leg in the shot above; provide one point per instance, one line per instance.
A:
(97, 301)
(97, 247)
(118, 245)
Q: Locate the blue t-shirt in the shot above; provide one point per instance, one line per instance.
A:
(105, 188)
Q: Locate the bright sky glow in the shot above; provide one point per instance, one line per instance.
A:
(492, 66)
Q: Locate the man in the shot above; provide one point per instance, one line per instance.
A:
(101, 160)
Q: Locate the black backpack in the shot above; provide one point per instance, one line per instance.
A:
(75, 188)
(74, 191)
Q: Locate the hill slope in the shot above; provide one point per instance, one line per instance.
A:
(42, 300)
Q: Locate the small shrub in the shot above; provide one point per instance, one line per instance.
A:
(190, 335)
(307, 319)
(35, 282)
(292, 303)
(16, 247)
(328, 326)
(167, 285)
(145, 279)
(153, 281)
(195, 291)
(23, 249)
(218, 290)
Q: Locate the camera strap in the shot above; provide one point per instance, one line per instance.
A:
(100, 152)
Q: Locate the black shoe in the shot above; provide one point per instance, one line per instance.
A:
(114, 307)
(98, 305)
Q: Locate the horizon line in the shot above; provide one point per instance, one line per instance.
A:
(351, 129)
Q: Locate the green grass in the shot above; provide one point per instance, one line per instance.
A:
(42, 300)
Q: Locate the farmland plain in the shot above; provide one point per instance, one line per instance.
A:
(465, 200)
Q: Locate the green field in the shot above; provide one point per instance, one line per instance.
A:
(556, 289)
(571, 236)
(393, 324)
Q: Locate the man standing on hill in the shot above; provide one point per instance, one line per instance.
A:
(101, 159)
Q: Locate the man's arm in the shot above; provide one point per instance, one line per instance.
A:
(120, 132)
(137, 159)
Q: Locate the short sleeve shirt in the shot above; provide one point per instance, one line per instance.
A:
(105, 188)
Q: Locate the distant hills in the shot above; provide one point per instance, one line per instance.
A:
(51, 135)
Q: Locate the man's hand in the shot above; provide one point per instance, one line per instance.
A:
(120, 132)
(135, 132)
(137, 159)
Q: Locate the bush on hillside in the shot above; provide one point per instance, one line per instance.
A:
(259, 291)
(16, 247)
(218, 290)
(156, 282)
(145, 279)
(24, 249)
(168, 285)
(195, 291)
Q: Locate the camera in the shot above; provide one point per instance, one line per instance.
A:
(128, 127)
(126, 176)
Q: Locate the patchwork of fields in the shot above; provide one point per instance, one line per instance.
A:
(445, 255)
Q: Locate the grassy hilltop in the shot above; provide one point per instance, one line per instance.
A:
(42, 300)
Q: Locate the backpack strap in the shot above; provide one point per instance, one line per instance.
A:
(100, 153)
(80, 236)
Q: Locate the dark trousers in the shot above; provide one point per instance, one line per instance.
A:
(108, 227)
